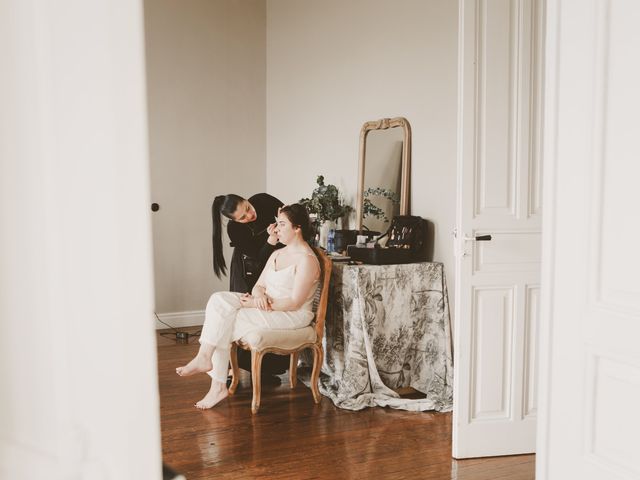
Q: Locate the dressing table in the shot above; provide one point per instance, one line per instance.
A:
(388, 326)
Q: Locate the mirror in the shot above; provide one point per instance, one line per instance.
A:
(383, 173)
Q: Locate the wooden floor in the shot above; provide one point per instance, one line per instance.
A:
(292, 438)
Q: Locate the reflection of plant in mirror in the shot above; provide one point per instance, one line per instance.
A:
(370, 209)
(325, 202)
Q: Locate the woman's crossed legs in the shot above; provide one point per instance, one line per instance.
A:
(225, 321)
(215, 341)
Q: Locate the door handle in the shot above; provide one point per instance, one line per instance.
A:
(477, 238)
(459, 249)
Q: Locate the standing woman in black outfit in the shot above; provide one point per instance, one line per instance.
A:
(250, 229)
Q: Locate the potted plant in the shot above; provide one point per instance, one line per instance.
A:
(326, 206)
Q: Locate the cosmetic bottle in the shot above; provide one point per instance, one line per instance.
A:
(330, 241)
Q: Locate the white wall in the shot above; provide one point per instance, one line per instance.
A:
(333, 65)
(327, 67)
(206, 94)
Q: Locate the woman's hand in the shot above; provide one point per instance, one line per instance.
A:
(247, 301)
(262, 302)
(273, 236)
(258, 291)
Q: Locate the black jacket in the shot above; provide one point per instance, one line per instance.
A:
(251, 239)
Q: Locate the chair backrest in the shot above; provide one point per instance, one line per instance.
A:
(325, 278)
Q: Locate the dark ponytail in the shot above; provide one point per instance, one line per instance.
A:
(219, 267)
(222, 205)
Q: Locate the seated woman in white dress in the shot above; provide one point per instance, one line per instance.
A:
(281, 299)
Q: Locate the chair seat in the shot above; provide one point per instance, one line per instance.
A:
(283, 339)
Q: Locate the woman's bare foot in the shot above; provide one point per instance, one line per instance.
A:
(200, 364)
(216, 394)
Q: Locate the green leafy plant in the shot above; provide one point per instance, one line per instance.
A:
(325, 202)
(371, 209)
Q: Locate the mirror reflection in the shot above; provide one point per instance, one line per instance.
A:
(382, 178)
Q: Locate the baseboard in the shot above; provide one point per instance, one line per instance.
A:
(180, 319)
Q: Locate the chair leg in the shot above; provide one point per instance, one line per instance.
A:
(318, 356)
(293, 370)
(233, 357)
(256, 367)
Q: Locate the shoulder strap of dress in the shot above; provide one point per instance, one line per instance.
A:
(275, 257)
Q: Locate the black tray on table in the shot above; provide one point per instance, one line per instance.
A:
(380, 255)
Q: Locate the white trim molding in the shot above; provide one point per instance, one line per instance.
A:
(180, 319)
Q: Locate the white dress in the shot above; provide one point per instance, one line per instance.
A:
(227, 321)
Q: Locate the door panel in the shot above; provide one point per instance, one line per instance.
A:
(495, 181)
(498, 196)
(531, 318)
(508, 251)
(590, 383)
(491, 339)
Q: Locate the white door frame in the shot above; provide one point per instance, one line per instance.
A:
(77, 349)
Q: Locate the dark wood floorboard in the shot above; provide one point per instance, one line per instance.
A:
(292, 438)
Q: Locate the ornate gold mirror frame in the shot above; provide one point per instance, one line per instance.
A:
(384, 124)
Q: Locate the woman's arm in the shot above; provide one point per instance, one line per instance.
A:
(259, 288)
(307, 271)
(270, 246)
(258, 297)
(268, 206)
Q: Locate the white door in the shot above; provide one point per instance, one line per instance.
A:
(590, 330)
(499, 196)
(79, 395)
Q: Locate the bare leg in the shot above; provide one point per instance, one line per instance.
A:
(201, 362)
(216, 394)
(219, 322)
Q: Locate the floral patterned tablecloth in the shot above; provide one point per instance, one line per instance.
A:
(388, 327)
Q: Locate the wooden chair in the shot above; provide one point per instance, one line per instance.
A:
(287, 342)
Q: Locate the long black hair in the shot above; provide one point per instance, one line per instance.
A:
(222, 205)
